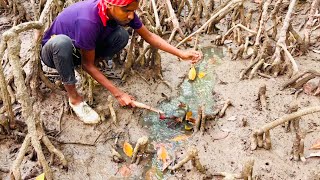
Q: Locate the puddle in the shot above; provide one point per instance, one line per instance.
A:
(193, 94)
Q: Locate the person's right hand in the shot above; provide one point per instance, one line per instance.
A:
(125, 100)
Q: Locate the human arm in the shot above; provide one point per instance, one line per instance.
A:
(87, 61)
(157, 42)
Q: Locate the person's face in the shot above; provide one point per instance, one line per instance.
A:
(123, 15)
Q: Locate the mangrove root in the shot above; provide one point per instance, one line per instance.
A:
(298, 146)
(245, 174)
(299, 80)
(261, 137)
(262, 97)
(116, 157)
(140, 148)
(192, 155)
(224, 108)
(112, 111)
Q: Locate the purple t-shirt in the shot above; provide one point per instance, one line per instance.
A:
(82, 23)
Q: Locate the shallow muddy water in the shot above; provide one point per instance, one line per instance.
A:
(171, 135)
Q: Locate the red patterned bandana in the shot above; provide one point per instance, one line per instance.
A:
(102, 8)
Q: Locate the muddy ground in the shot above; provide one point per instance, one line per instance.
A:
(88, 148)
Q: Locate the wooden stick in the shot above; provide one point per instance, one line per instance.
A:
(141, 105)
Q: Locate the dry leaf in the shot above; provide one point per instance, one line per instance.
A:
(125, 171)
(201, 75)
(162, 154)
(127, 149)
(316, 145)
(164, 157)
(40, 177)
(188, 115)
(187, 127)
(192, 120)
(180, 137)
(192, 73)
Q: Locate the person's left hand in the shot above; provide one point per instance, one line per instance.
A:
(192, 55)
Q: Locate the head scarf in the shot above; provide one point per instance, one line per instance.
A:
(102, 8)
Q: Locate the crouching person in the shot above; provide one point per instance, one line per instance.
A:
(88, 30)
